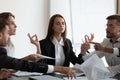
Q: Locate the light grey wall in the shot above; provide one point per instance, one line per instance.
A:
(31, 16)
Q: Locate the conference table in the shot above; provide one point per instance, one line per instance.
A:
(39, 78)
(56, 77)
(52, 76)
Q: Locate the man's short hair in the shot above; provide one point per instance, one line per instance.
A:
(116, 17)
(3, 23)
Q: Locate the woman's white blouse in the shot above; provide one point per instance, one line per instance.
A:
(59, 53)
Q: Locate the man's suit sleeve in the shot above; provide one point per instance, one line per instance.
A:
(18, 64)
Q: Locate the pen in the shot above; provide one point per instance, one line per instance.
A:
(88, 52)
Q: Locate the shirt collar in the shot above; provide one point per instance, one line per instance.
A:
(55, 41)
(118, 40)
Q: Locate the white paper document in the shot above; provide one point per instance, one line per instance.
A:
(44, 77)
(44, 57)
(95, 69)
(104, 61)
(24, 73)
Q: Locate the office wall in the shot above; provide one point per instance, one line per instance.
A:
(62, 7)
(31, 16)
(90, 17)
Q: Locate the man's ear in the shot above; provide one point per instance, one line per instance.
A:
(0, 35)
(118, 33)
